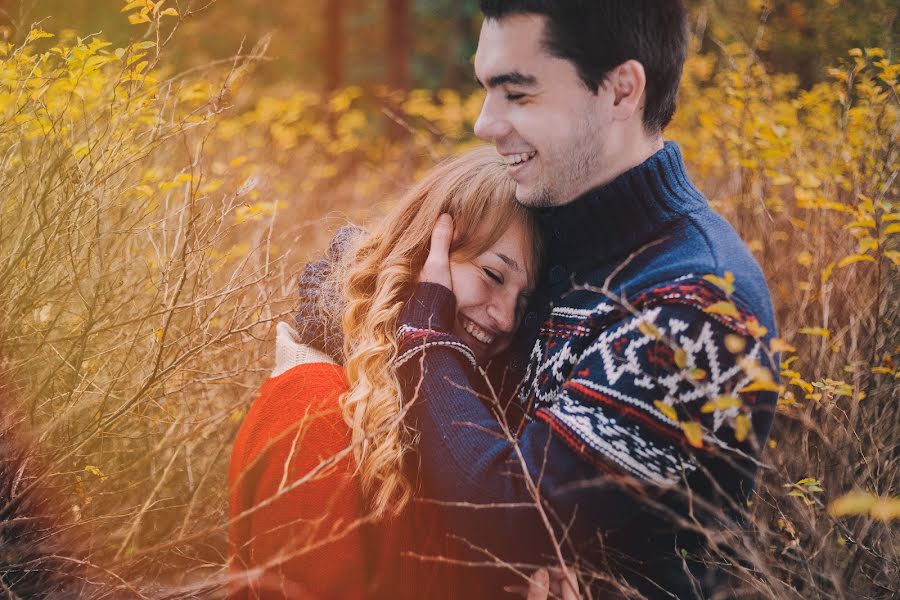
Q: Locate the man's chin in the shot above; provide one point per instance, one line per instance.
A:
(532, 197)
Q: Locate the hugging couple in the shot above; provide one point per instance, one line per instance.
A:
(544, 373)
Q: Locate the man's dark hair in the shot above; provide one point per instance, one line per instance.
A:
(599, 35)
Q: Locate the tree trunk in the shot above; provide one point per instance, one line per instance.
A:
(333, 44)
(399, 49)
(458, 74)
(399, 42)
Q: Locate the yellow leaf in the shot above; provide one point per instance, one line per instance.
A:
(804, 259)
(134, 4)
(133, 58)
(756, 329)
(723, 308)
(735, 343)
(761, 386)
(725, 284)
(96, 472)
(727, 401)
(820, 331)
(865, 244)
(680, 358)
(36, 34)
(697, 374)
(741, 427)
(893, 256)
(886, 509)
(649, 329)
(138, 18)
(852, 503)
(826, 273)
(170, 12)
(779, 345)
(693, 433)
(723, 402)
(855, 258)
(802, 384)
(892, 228)
(867, 223)
(666, 409)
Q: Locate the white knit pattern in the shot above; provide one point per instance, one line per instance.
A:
(290, 351)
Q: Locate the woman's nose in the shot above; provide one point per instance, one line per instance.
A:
(503, 312)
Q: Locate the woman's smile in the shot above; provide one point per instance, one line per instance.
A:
(479, 333)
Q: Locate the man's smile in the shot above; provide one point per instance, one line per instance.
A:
(516, 162)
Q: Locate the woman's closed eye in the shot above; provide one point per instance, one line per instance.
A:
(493, 275)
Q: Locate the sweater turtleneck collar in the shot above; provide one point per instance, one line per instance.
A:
(614, 220)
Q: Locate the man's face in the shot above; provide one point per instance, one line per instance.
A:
(548, 126)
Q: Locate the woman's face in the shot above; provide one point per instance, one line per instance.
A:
(491, 292)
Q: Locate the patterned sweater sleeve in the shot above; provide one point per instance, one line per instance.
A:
(638, 416)
(674, 394)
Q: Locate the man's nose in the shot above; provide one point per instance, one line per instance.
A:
(491, 124)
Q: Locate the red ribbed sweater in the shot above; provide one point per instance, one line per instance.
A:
(293, 497)
(305, 541)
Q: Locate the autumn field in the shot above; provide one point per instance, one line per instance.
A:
(154, 217)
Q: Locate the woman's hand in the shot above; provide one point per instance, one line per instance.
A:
(437, 266)
(545, 582)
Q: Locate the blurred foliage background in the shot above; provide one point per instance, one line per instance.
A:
(332, 43)
(167, 168)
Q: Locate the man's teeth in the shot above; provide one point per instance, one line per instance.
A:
(512, 160)
(477, 332)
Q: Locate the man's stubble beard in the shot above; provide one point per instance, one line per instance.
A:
(580, 163)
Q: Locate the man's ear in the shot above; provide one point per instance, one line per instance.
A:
(627, 83)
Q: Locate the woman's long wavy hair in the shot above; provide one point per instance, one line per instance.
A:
(377, 276)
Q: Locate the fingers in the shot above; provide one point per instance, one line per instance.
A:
(564, 583)
(539, 587)
(546, 583)
(437, 266)
(441, 237)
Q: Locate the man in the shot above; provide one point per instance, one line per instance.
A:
(646, 378)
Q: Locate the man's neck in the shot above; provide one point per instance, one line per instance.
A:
(617, 163)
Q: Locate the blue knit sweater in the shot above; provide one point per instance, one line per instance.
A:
(646, 393)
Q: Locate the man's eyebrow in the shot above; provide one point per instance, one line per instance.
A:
(511, 78)
(512, 264)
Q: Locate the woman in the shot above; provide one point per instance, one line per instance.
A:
(321, 474)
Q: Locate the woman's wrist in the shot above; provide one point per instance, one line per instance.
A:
(431, 306)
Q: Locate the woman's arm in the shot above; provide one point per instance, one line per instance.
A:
(470, 462)
(316, 327)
